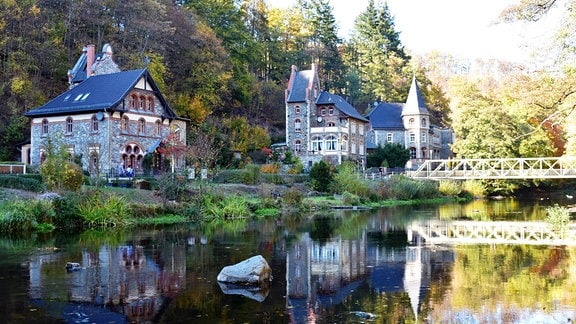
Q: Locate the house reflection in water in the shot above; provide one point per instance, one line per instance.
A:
(321, 275)
(124, 278)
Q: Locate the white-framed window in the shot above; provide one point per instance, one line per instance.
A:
(331, 143)
(44, 131)
(297, 110)
(411, 122)
(297, 145)
(389, 138)
(353, 148)
(125, 124)
(317, 144)
(297, 125)
(344, 143)
(141, 126)
(323, 112)
(331, 111)
(424, 138)
(95, 124)
(353, 127)
(412, 138)
(423, 122)
(360, 129)
(69, 125)
(157, 128)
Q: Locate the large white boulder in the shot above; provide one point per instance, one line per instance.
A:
(253, 271)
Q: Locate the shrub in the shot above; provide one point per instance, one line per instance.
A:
(346, 180)
(252, 174)
(292, 197)
(449, 188)
(474, 187)
(270, 168)
(23, 216)
(98, 210)
(321, 176)
(274, 178)
(22, 182)
(350, 199)
(224, 208)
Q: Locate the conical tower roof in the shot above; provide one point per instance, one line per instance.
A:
(415, 104)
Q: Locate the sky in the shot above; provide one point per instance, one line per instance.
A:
(462, 28)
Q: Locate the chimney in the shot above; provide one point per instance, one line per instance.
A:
(90, 55)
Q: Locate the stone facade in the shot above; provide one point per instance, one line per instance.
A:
(109, 118)
(320, 125)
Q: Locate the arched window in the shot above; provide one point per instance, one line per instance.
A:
(423, 122)
(297, 125)
(124, 125)
(95, 124)
(44, 130)
(411, 122)
(157, 128)
(331, 143)
(331, 124)
(141, 126)
(69, 125)
(142, 103)
(150, 104)
(317, 144)
(297, 145)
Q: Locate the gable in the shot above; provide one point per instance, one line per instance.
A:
(342, 105)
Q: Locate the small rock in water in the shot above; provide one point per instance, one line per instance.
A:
(73, 266)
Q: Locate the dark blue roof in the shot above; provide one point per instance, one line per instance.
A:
(299, 85)
(97, 93)
(387, 116)
(326, 98)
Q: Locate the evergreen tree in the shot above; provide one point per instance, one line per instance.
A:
(377, 56)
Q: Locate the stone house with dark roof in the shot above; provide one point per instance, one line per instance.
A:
(409, 124)
(321, 125)
(111, 118)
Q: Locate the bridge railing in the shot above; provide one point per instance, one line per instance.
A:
(500, 232)
(501, 168)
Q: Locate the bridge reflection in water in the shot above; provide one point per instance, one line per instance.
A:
(500, 168)
(501, 232)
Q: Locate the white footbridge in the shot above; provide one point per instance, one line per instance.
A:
(500, 232)
(501, 168)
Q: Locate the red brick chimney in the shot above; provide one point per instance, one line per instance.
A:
(90, 56)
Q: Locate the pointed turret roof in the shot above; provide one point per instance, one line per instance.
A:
(415, 104)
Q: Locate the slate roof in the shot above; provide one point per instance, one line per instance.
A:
(387, 116)
(327, 98)
(97, 93)
(299, 85)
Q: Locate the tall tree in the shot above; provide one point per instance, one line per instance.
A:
(377, 56)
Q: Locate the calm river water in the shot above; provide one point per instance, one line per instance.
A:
(328, 267)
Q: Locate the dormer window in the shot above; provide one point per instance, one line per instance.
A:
(323, 112)
(331, 111)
